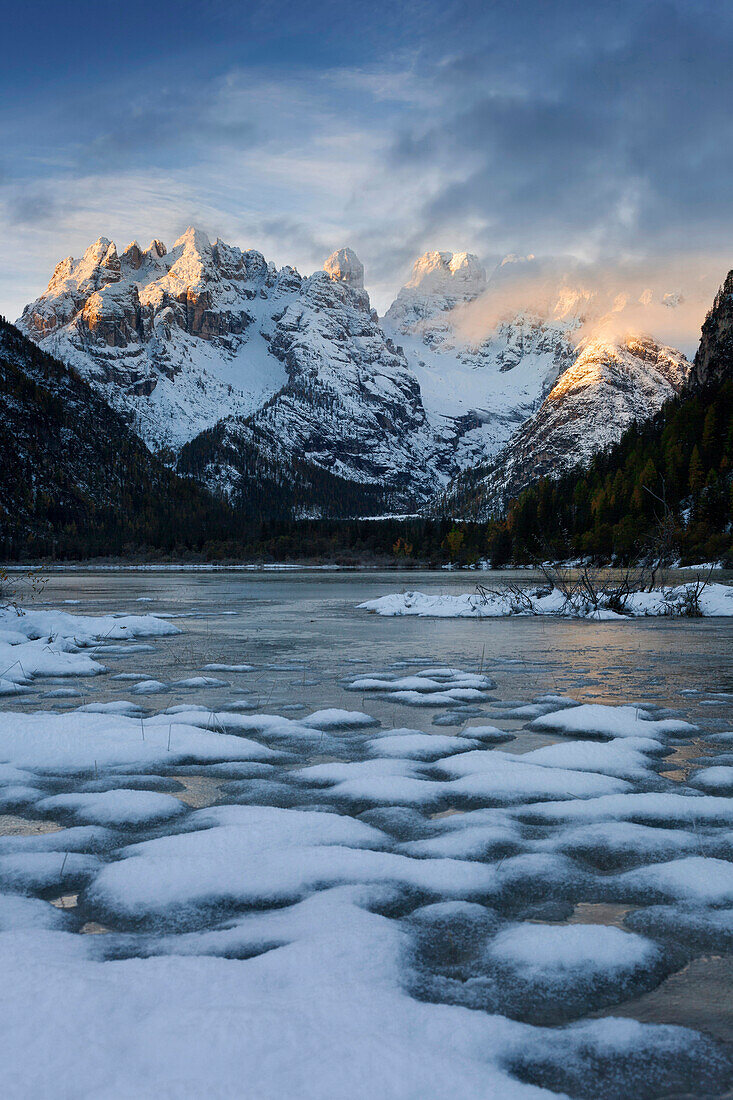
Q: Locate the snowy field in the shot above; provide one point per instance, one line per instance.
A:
(452, 884)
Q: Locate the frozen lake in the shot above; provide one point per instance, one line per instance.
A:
(381, 856)
(308, 621)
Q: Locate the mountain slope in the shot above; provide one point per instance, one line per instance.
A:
(72, 474)
(676, 468)
(607, 388)
(280, 391)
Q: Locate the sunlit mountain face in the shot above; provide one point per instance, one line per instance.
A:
(213, 351)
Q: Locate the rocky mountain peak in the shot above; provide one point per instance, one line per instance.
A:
(439, 282)
(449, 273)
(133, 256)
(345, 265)
(714, 359)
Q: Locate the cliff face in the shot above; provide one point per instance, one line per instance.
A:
(714, 359)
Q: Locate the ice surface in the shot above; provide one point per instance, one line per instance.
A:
(424, 948)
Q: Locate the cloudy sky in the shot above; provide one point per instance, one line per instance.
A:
(597, 129)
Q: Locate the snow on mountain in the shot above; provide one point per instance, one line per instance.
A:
(478, 389)
(350, 405)
(179, 339)
(608, 387)
(256, 376)
(207, 335)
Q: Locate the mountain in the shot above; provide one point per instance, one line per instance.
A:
(72, 473)
(665, 488)
(175, 339)
(610, 386)
(262, 366)
(477, 387)
(350, 405)
(714, 358)
(286, 392)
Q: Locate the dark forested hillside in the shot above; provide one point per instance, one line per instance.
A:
(677, 468)
(74, 479)
(272, 487)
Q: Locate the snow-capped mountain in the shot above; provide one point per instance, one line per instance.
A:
(609, 386)
(248, 375)
(207, 335)
(178, 339)
(479, 380)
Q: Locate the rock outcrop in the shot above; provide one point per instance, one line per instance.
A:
(714, 359)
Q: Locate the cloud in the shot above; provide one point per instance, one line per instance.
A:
(585, 131)
(598, 130)
(667, 298)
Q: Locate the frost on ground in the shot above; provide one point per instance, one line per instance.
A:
(363, 912)
(714, 600)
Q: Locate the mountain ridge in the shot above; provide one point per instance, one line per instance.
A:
(271, 370)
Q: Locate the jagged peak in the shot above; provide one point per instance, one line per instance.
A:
(345, 265)
(98, 248)
(193, 238)
(437, 270)
(132, 256)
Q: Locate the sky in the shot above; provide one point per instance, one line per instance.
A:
(601, 131)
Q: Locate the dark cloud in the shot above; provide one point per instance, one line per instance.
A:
(609, 129)
(601, 129)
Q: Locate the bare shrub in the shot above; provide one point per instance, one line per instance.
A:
(19, 588)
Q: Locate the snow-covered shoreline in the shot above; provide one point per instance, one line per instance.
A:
(716, 600)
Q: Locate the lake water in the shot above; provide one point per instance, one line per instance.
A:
(306, 627)
(303, 634)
